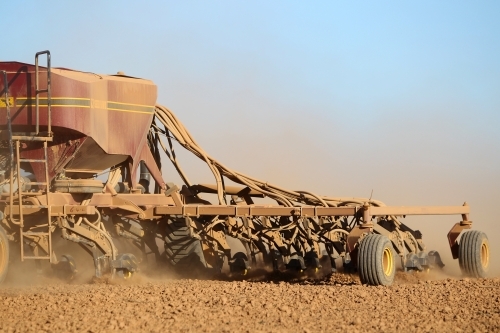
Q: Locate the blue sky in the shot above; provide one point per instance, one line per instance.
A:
(342, 55)
(338, 97)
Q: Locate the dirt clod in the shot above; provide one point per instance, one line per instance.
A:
(335, 303)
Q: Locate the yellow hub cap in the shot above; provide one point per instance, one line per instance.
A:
(387, 262)
(485, 255)
(3, 250)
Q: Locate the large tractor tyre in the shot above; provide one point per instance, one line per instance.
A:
(183, 252)
(474, 254)
(4, 254)
(376, 264)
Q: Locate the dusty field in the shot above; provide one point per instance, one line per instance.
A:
(334, 304)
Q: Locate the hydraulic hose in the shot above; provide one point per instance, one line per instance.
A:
(174, 129)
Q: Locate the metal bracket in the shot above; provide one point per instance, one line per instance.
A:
(453, 236)
(356, 233)
(171, 189)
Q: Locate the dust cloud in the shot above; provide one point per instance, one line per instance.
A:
(414, 157)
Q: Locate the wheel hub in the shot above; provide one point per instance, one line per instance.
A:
(485, 255)
(387, 261)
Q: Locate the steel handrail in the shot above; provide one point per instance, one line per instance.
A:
(39, 91)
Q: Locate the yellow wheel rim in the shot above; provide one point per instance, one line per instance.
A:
(245, 272)
(3, 250)
(485, 254)
(387, 262)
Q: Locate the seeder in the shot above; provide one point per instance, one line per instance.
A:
(60, 129)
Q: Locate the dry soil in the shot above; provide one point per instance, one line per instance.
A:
(336, 303)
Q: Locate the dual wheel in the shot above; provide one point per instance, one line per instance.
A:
(376, 261)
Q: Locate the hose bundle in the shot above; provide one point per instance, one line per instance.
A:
(174, 129)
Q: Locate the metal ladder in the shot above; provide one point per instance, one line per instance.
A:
(17, 139)
(33, 234)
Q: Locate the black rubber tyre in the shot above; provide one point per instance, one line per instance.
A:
(296, 264)
(130, 266)
(182, 251)
(239, 264)
(65, 269)
(474, 254)
(4, 254)
(277, 260)
(376, 264)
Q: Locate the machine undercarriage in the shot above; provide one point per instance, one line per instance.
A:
(55, 141)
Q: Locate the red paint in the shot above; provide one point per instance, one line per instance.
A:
(100, 137)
